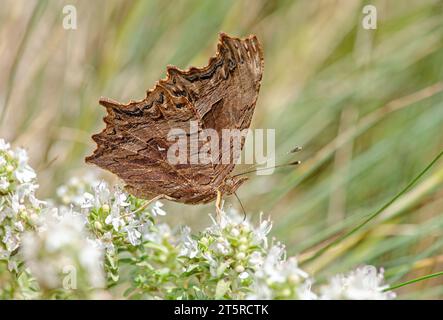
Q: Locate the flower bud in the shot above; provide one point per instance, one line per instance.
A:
(286, 292)
(239, 268)
(235, 232)
(33, 218)
(240, 255)
(98, 225)
(243, 247)
(204, 241)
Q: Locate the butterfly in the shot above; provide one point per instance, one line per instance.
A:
(222, 95)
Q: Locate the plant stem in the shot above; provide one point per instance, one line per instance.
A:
(432, 275)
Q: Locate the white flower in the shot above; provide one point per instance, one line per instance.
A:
(120, 199)
(133, 233)
(364, 283)
(73, 193)
(276, 276)
(216, 267)
(235, 232)
(12, 265)
(88, 201)
(64, 231)
(102, 194)
(261, 233)
(4, 184)
(239, 269)
(61, 242)
(106, 242)
(227, 219)
(256, 258)
(62, 190)
(4, 254)
(3, 216)
(189, 247)
(292, 272)
(157, 209)
(17, 203)
(221, 246)
(25, 190)
(260, 291)
(36, 203)
(19, 226)
(115, 219)
(24, 173)
(22, 156)
(11, 239)
(91, 257)
(271, 264)
(162, 231)
(4, 146)
(2, 160)
(304, 291)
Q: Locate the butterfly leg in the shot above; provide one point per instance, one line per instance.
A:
(147, 203)
(218, 206)
(159, 197)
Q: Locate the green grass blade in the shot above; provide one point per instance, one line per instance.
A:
(375, 214)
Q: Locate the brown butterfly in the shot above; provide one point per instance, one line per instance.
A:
(219, 96)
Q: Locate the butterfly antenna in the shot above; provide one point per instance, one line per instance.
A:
(48, 164)
(241, 205)
(293, 163)
(293, 150)
(250, 169)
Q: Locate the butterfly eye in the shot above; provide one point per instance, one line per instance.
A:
(179, 105)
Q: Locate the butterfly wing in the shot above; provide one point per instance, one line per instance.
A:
(224, 94)
(220, 96)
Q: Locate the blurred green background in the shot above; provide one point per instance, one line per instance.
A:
(366, 105)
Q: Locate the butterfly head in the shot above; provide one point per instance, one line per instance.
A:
(231, 184)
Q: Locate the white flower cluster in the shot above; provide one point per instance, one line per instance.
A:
(113, 213)
(79, 241)
(72, 193)
(238, 256)
(118, 221)
(232, 244)
(363, 283)
(19, 207)
(89, 195)
(279, 278)
(62, 248)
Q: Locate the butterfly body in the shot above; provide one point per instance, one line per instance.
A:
(134, 145)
